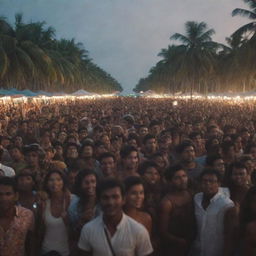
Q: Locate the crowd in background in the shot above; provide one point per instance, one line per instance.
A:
(188, 171)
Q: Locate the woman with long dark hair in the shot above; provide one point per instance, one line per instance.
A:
(54, 216)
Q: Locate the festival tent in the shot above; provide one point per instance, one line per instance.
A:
(82, 93)
(43, 93)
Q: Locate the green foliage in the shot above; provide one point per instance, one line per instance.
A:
(32, 58)
(202, 65)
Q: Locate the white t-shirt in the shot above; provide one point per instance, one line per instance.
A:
(130, 238)
(8, 171)
(210, 225)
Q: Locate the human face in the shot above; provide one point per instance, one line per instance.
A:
(152, 175)
(180, 180)
(150, 145)
(87, 151)
(239, 176)
(25, 183)
(134, 197)
(16, 154)
(7, 198)
(72, 152)
(108, 166)
(143, 131)
(32, 158)
(159, 160)
(89, 185)
(188, 154)
(210, 184)
(219, 165)
(112, 201)
(131, 161)
(55, 183)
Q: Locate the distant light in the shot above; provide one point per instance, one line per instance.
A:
(175, 103)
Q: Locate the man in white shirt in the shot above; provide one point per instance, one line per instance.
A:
(211, 210)
(113, 233)
(8, 171)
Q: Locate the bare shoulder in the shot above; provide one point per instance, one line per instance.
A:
(166, 203)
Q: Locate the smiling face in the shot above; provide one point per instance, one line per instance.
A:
(89, 185)
(135, 196)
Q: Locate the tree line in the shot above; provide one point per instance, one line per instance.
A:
(32, 58)
(200, 64)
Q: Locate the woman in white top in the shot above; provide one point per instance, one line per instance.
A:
(55, 235)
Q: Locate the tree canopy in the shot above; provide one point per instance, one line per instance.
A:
(200, 64)
(32, 58)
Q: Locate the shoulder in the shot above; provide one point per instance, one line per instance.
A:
(24, 213)
(93, 224)
(225, 201)
(135, 227)
(166, 203)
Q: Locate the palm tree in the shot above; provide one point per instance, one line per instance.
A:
(197, 62)
(250, 14)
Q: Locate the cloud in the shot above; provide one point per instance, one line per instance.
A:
(125, 36)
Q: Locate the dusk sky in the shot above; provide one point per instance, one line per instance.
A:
(124, 36)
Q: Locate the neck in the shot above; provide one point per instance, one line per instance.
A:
(208, 197)
(113, 221)
(131, 211)
(57, 195)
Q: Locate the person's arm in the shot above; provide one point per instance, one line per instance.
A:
(250, 240)
(164, 220)
(230, 231)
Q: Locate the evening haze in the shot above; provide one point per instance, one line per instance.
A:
(124, 36)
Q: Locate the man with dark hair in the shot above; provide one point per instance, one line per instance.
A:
(129, 161)
(149, 146)
(187, 158)
(108, 165)
(212, 209)
(18, 221)
(113, 232)
(177, 225)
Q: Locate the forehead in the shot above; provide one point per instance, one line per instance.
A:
(112, 191)
(209, 177)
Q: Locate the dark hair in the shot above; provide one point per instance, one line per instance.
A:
(148, 137)
(249, 148)
(193, 135)
(145, 165)
(126, 151)
(212, 158)
(79, 180)
(110, 183)
(183, 145)
(9, 181)
(132, 181)
(24, 173)
(46, 179)
(106, 155)
(210, 171)
(170, 172)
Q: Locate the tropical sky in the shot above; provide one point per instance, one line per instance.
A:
(124, 36)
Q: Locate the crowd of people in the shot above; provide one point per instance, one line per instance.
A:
(128, 176)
